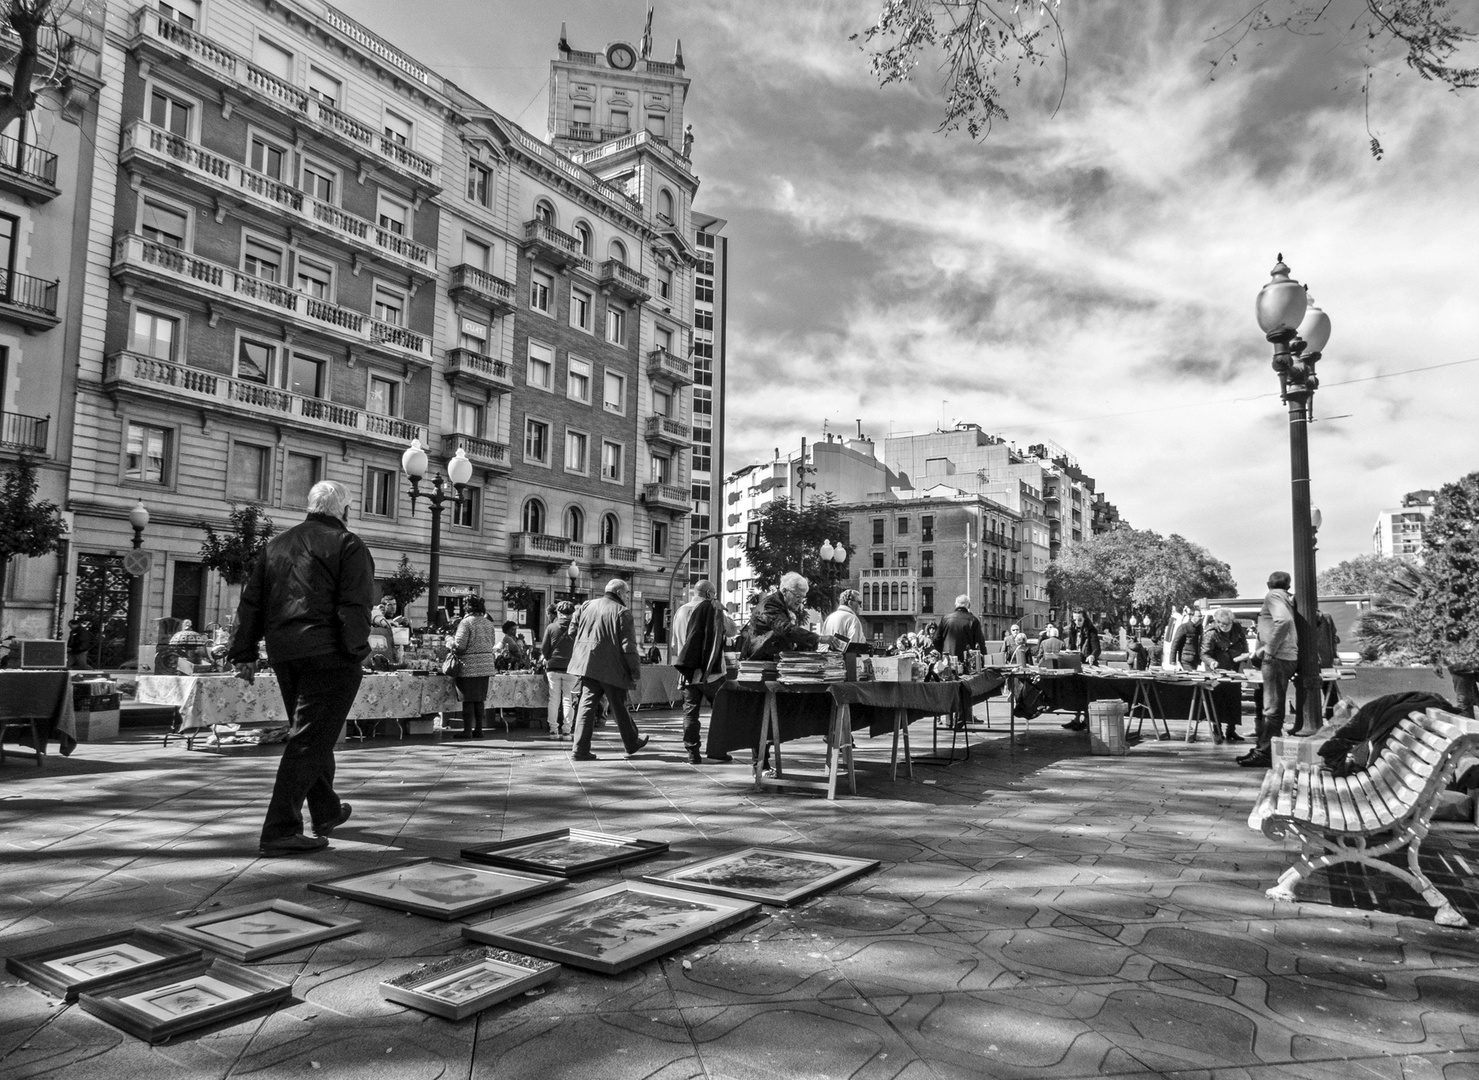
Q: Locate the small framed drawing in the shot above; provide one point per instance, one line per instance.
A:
(440, 889)
(258, 930)
(566, 852)
(769, 875)
(92, 963)
(160, 1006)
(468, 982)
(615, 928)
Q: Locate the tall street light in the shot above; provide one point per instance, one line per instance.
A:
(1298, 331)
(572, 577)
(137, 566)
(414, 463)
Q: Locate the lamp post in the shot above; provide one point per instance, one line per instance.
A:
(832, 556)
(138, 517)
(1298, 331)
(572, 576)
(414, 463)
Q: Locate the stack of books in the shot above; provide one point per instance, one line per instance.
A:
(812, 667)
(756, 671)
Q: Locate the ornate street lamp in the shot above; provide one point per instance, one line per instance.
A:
(1298, 331)
(415, 463)
(572, 576)
(138, 517)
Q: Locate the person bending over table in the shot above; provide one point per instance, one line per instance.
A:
(775, 622)
(1225, 648)
(1083, 638)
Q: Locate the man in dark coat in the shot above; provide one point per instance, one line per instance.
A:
(606, 660)
(959, 631)
(700, 661)
(309, 596)
(774, 622)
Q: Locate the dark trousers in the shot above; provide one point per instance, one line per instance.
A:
(588, 710)
(317, 692)
(1276, 676)
(693, 698)
(474, 693)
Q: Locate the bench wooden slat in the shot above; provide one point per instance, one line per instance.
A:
(1417, 750)
(1384, 812)
(1396, 783)
(1327, 803)
(1358, 812)
(1415, 780)
(1284, 797)
(1302, 806)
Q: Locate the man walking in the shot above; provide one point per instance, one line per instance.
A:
(606, 661)
(700, 661)
(959, 631)
(309, 596)
(1278, 652)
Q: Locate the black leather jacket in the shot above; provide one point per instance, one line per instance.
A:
(309, 594)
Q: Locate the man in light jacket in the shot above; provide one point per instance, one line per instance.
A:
(1278, 653)
(844, 623)
(606, 660)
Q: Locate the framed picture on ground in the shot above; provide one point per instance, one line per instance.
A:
(437, 888)
(768, 875)
(259, 930)
(615, 928)
(566, 852)
(468, 982)
(160, 1006)
(93, 963)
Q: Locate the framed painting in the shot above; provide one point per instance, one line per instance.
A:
(615, 928)
(566, 852)
(437, 888)
(260, 930)
(92, 963)
(162, 1005)
(768, 875)
(468, 982)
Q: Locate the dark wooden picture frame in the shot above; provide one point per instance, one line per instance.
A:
(167, 1003)
(766, 875)
(589, 851)
(449, 987)
(273, 933)
(94, 963)
(501, 885)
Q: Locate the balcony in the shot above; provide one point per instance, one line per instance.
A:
(617, 142)
(470, 284)
(543, 548)
(157, 36)
(144, 375)
(145, 261)
(619, 279)
(24, 434)
(543, 241)
(27, 171)
(578, 131)
(478, 371)
(615, 557)
(889, 591)
(30, 301)
(484, 453)
(663, 429)
(662, 364)
(153, 147)
(667, 497)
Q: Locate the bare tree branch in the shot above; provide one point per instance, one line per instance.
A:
(26, 20)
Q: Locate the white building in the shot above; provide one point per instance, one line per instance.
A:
(1399, 530)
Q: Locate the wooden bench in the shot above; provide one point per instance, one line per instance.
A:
(1368, 815)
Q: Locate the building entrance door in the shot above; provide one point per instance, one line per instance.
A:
(102, 605)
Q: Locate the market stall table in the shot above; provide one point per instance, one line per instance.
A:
(40, 703)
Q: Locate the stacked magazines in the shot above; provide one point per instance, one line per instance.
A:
(756, 671)
(798, 667)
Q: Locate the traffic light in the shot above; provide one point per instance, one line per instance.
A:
(752, 536)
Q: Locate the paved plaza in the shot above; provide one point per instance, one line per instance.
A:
(1038, 912)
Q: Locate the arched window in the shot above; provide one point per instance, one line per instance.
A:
(618, 251)
(587, 241)
(575, 524)
(544, 211)
(610, 529)
(534, 516)
(665, 205)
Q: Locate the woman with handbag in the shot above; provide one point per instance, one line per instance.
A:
(473, 646)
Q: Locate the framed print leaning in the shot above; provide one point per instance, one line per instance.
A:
(437, 888)
(92, 963)
(162, 1005)
(468, 982)
(259, 930)
(615, 928)
(769, 875)
(566, 852)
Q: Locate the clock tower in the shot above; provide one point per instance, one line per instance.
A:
(599, 96)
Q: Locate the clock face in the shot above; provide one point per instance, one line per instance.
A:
(621, 57)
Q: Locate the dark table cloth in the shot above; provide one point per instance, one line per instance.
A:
(1073, 693)
(45, 696)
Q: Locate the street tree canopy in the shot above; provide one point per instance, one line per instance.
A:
(790, 539)
(27, 527)
(232, 552)
(1365, 574)
(1128, 572)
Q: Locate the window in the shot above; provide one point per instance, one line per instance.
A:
(262, 260)
(845, 536)
(610, 529)
(616, 325)
(580, 308)
(186, 13)
(580, 117)
(662, 402)
(575, 524)
(541, 291)
(703, 320)
(583, 235)
(163, 224)
(659, 538)
(878, 530)
(146, 454)
(306, 376)
(662, 469)
(703, 402)
(170, 112)
(379, 498)
(256, 361)
(247, 472)
(657, 124)
(479, 183)
(927, 529)
(703, 290)
(665, 205)
(618, 251)
(541, 369)
(477, 254)
(314, 279)
(621, 120)
(325, 87)
(389, 305)
(927, 599)
(320, 181)
(611, 461)
(392, 216)
(926, 564)
(703, 449)
(901, 558)
(903, 526)
(878, 560)
(383, 397)
(575, 451)
(578, 380)
(273, 59)
(533, 517)
(544, 211)
(473, 336)
(300, 473)
(664, 338)
(267, 157)
(536, 441)
(155, 334)
(397, 129)
(469, 512)
(467, 418)
(664, 283)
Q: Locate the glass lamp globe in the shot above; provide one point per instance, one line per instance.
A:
(1281, 303)
(138, 517)
(1314, 330)
(826, 551)
(459, 469)
(839, 554)
(413, 461)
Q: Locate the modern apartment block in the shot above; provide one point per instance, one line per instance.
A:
(311, 249)
(1399, 530)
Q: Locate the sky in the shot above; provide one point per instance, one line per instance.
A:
(1084, 274)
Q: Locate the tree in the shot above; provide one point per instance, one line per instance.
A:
(790, 539)
(1128, 571)
(983, 46)
(1365, 574)
(405, 584)
(1449, 605)
(232, 553)
(27, 527)
(32, 22)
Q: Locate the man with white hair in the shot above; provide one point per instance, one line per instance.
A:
(606, 660)
(959, 632)
(309, 597)
(775, 622)
(844, 624)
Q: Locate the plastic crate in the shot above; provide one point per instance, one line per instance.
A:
(1107, 728)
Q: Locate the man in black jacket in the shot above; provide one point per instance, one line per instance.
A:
(309, 596)
(959, 632)
(700, 661)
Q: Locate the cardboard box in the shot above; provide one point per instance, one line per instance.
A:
(893, 669)
(96, 723)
